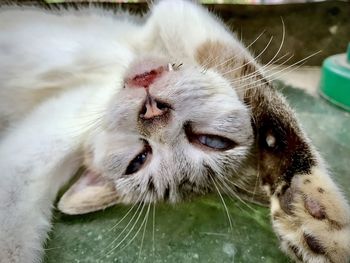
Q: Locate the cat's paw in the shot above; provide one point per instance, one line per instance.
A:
(312, 219)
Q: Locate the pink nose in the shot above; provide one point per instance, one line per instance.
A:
(153, 108)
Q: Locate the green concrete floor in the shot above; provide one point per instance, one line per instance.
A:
(199, 231)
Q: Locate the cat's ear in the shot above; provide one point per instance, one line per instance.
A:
(91, 192)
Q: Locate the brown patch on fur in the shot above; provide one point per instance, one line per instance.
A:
(223, 58)
(320, 190)
(296, 252)
(307, 181)
(215, 54)
(291, 154)
(314, 244)
(335, 225)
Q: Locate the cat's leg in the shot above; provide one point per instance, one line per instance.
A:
(36, 159)
(309, 212)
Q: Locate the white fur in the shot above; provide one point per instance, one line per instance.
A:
(62, 104)
(58, 73)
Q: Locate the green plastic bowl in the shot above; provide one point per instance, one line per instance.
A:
(335, 80)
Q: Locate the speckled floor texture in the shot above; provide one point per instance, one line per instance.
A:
(200, 231)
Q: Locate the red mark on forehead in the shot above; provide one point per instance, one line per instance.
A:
(144, 80)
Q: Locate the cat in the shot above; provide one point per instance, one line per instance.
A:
(155, 110)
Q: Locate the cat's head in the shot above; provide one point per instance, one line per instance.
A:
(172, 131)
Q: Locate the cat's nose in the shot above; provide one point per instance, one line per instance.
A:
(154, 108)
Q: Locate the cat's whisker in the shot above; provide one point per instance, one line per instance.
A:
(144, 231)
(229, 194)
(285, 70)
(282, 41)
(250, 61)
(143, 223)
(236, 185)
(223, 202)
(230, 190)
(124, 229)
(260, 70)
(273, 58)
(212, 60)
(153, 228)
(256, 181)
(278, 51)
(229, 60)
(125, 216)
(128, 233)
(276, 60)
(248, 46)
(257, 72)
(209, 61)
(256, 39)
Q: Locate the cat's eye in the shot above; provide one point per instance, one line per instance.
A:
(214, 142)
(138, 162)
(210, 141)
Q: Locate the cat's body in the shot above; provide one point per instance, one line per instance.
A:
(155, 111)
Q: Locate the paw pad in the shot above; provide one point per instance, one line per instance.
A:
(314, 244)
(286, 201)
(314, 208)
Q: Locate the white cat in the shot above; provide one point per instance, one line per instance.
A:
(155, 111)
